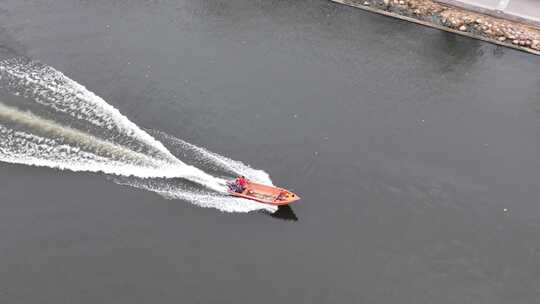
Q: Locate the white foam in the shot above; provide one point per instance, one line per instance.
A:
(108, 142)
(68, 148)
(52, 88)
(207, 157)
(171, 190)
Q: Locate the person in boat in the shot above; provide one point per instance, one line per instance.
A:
(241, 183)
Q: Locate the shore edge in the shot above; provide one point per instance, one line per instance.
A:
(456, 20)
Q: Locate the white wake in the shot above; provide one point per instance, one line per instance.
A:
(50, 120)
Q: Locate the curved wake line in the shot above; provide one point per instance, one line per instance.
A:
(108, 158)
(52, 88)
(223, 203)
(220, 161)
(84, 140)
(71, 128)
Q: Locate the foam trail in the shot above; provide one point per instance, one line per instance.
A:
(200, 198)
(51, 88)
(60, 95)
(207, 158)
(58, 123)
(105, 156)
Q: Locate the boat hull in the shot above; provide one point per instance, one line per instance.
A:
(266, 194)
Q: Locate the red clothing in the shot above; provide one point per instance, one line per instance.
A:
(242, 182)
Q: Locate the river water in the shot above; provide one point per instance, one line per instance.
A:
(415, 152)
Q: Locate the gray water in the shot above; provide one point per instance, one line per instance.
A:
(406, 144)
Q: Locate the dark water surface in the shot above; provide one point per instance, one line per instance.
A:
(406, 144)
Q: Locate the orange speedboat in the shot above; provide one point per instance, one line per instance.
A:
(264, 194)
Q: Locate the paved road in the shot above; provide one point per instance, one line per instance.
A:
(528, 10)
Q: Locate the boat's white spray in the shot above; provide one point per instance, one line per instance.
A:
(108, 142)
(201, 198)
(210, 159)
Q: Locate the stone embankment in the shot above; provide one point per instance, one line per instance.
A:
(427, 12)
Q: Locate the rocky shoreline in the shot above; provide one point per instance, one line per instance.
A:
(457, 20)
